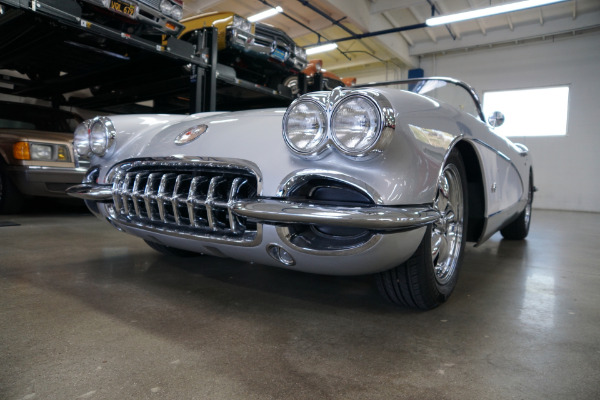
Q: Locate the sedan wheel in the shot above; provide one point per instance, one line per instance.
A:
(429, 276)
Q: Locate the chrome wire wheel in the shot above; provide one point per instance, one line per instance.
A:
(429, 276)
(447, 231)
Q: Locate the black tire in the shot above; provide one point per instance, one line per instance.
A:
(171, 251)
(429, 276)
(11, 200)
(519, 228)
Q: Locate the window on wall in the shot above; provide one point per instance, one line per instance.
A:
(530, 112)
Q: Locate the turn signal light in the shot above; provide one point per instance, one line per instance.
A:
(21, 151)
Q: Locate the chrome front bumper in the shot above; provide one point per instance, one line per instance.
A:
(276, 211)
(247, 42)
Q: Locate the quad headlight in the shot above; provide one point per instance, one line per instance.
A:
(305, 127)
(94, 136)
(358, 123)
(81, 141)
(242, 24)
(167, 7)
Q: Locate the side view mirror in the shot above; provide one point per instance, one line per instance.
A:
(496, 119)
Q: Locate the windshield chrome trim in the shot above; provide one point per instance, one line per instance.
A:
(453, 81)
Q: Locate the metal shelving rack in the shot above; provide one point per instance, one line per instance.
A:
(60, 55)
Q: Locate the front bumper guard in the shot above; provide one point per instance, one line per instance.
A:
(378, 218)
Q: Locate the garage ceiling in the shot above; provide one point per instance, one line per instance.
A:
(403, 48)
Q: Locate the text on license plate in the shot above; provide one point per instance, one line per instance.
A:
(278, 55)
(122, 7)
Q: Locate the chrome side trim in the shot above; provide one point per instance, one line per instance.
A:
(372, 218)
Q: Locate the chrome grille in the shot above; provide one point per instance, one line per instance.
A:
(265, 35)
(152, 3)
(187, 199)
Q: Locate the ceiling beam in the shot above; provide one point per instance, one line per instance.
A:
(379, 6)
(550, 27)
(478, 20)
(358, 13)
(420, 18)
(395, 24)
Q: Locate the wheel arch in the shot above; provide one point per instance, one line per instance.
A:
(475, 190)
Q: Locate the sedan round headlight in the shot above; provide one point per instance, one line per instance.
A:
(177, 12)
(166, 7)
(81, 141)
(102, 135)
(356, 125)
(305, 127)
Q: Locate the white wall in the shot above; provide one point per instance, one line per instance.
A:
(566, 169)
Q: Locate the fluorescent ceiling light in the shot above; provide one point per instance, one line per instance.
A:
(321, 49)
(486, 12)
(265, 14)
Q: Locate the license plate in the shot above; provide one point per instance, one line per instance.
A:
(123, 7)
(279, 55)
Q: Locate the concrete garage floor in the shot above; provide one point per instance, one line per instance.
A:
(90, 313)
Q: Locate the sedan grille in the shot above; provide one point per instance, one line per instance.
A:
(186, 199)
(152, 3)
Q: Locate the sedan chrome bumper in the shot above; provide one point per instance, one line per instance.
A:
(379, 218)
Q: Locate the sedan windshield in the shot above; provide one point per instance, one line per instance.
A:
(30, 117)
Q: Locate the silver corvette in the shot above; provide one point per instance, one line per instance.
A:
(371, 180)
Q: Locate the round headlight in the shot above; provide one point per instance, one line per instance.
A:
(102, 135)
(305, 127)
(81, 141)
(356, 125)
(177, 12)
(166, 7)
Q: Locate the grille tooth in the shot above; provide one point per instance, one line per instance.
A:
(180, 196)
(167, 185)
(187, 199)
(117, 199)
(234, 223)
(138, 191)
(195, 201)
(150, 196)
(211, 203)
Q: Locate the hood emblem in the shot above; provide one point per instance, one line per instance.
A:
(190, 134)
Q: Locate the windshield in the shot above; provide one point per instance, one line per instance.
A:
(447, 90)
(26, 116)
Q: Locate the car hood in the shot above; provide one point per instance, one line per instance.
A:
(15, 135)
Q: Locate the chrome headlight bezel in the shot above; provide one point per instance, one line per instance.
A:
(102, 140)
(320, 144)
(333, 103)
(372, 135)
(94, 136)
(81, 140)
